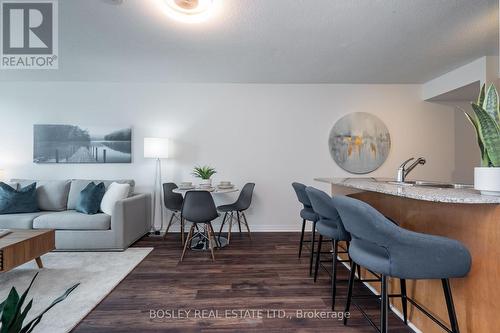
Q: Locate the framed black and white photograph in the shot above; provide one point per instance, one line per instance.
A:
(63, 143)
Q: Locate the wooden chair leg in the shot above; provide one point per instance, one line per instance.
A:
(246, 223)
(211, 238)
(169, 224)
(216, 239)
(182, 229)
(222, 224)
(187, 241)
(239, 222)
(230, 227)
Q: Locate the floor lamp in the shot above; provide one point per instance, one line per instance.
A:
(157, 148)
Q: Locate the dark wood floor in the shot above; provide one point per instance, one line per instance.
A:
(263, 274)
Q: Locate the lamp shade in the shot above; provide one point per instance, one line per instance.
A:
(156, 147)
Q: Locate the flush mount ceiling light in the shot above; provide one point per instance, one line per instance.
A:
(189, 11)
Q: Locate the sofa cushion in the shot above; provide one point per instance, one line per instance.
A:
(15, 186)
(77, 185)
(90, 198)
(52, 195)
(19, 221)
(72, 220)
(14, 201)
(114, 193)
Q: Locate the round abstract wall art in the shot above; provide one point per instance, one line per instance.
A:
(359, 142)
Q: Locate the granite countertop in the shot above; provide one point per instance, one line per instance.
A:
(383, 185)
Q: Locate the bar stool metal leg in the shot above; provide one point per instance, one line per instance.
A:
(302, 236)
(312, 247)
(334, 271)
(349, 291)
(384, 305)
(451, 307)
(404, 300)
(318, 255)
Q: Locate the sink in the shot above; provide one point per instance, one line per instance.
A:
(428, 184)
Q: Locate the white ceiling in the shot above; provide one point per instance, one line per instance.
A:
(272, 41)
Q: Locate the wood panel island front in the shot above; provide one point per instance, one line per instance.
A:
(459, 213)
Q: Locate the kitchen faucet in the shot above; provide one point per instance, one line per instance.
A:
(403, 171)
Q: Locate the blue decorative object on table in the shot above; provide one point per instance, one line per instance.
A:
(18, 201)
(90, 198)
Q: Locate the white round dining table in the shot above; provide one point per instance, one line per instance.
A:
(199, 241)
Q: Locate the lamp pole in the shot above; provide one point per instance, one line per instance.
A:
(157, 189)
(157, 148)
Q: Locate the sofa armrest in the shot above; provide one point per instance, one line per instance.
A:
(131, 219)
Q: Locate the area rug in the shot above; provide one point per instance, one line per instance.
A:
(97, 272)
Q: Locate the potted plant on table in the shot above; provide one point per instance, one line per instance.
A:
(204, 172)
(486, 121)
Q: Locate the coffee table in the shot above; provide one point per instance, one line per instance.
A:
(21, 246)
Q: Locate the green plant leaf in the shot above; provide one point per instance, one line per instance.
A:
(9, 310)
(490, 134)
(480, 99)
(16, 327)
(32, 324)
(21, 302)
(16, 320)
(485, 161)
(204, 172)
(490, 104)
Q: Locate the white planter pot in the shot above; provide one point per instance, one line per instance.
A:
(206, 183)
(487, 180)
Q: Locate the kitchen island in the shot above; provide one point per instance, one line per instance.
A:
(457, 212)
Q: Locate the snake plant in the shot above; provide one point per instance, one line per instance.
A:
(204, 172)
(12, 314)
(486, 121)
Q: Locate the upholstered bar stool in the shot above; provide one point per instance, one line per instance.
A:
(329, 225)
(383, 247)
(307, 214)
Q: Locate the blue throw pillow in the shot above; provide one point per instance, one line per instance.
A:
(90, 198)
(14, 201)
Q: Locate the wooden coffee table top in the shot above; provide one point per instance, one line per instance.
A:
(21, 246)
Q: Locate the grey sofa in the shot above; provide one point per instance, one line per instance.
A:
(130, 220)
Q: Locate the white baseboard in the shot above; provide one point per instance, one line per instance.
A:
(253, 228)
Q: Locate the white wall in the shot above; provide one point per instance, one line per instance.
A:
(457, 89)
(269, 134)
(467, 153)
